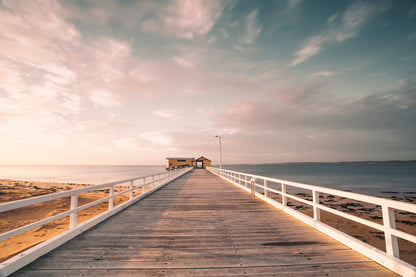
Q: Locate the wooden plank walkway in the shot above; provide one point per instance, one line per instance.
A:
(200, 225)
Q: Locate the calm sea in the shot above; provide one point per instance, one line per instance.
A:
(389, 178)
(369, 178)
(78, 174)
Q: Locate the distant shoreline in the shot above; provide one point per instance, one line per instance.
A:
(341, 162)
(272, 163)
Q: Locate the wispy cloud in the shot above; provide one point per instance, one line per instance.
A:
(185, 19)
(104, 98)
(157, 138)
(253, 28)
(237, 112)
(168, 114)
(340, 28)
(293, 3)
(322, 74)
(189, 58)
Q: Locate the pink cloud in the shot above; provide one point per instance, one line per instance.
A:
(239, 112)
(185, 19)
(322, 74)
(168, 114)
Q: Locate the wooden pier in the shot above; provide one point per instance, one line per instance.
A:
(201, 225)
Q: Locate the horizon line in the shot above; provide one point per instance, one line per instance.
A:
(267, 163)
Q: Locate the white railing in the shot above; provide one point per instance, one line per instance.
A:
(261, 186)
(144, 184)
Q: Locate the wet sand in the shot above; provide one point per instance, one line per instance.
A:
(11, 190)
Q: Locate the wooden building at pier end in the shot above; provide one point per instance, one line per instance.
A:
(173, 162)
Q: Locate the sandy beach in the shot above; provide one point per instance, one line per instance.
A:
(405, 221)
(11, 190)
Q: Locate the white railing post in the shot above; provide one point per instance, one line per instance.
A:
(153, 181)
(131, 192)
(316, 210)
(111, 200)
(389, 223)
(245, 180)
(74, 208)
(253, 186)
(284, 198)
(266, 191)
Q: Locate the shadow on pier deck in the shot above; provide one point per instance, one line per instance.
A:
(201, 225)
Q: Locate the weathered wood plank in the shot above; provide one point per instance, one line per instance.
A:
(201, 225)
(347, 270)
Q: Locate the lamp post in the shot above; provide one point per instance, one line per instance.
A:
(220, 152)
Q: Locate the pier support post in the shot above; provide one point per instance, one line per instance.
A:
(253, 187)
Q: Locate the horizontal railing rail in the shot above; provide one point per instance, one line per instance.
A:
(147, 184)
(260, 186)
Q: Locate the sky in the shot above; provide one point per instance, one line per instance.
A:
(134, 82)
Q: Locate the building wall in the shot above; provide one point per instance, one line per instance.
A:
(205, 162)
(172, 163)
(181, 162)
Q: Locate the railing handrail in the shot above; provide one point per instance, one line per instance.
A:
(389, 259)
(11, 265)
(353, 195)
(4, 207)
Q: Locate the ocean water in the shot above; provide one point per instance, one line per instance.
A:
(78, 174)
(378, 179)
(395, 178)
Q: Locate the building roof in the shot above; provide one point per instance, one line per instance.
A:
(176, 158)
(202, 157)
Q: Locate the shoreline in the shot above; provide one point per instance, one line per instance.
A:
(11, 190)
